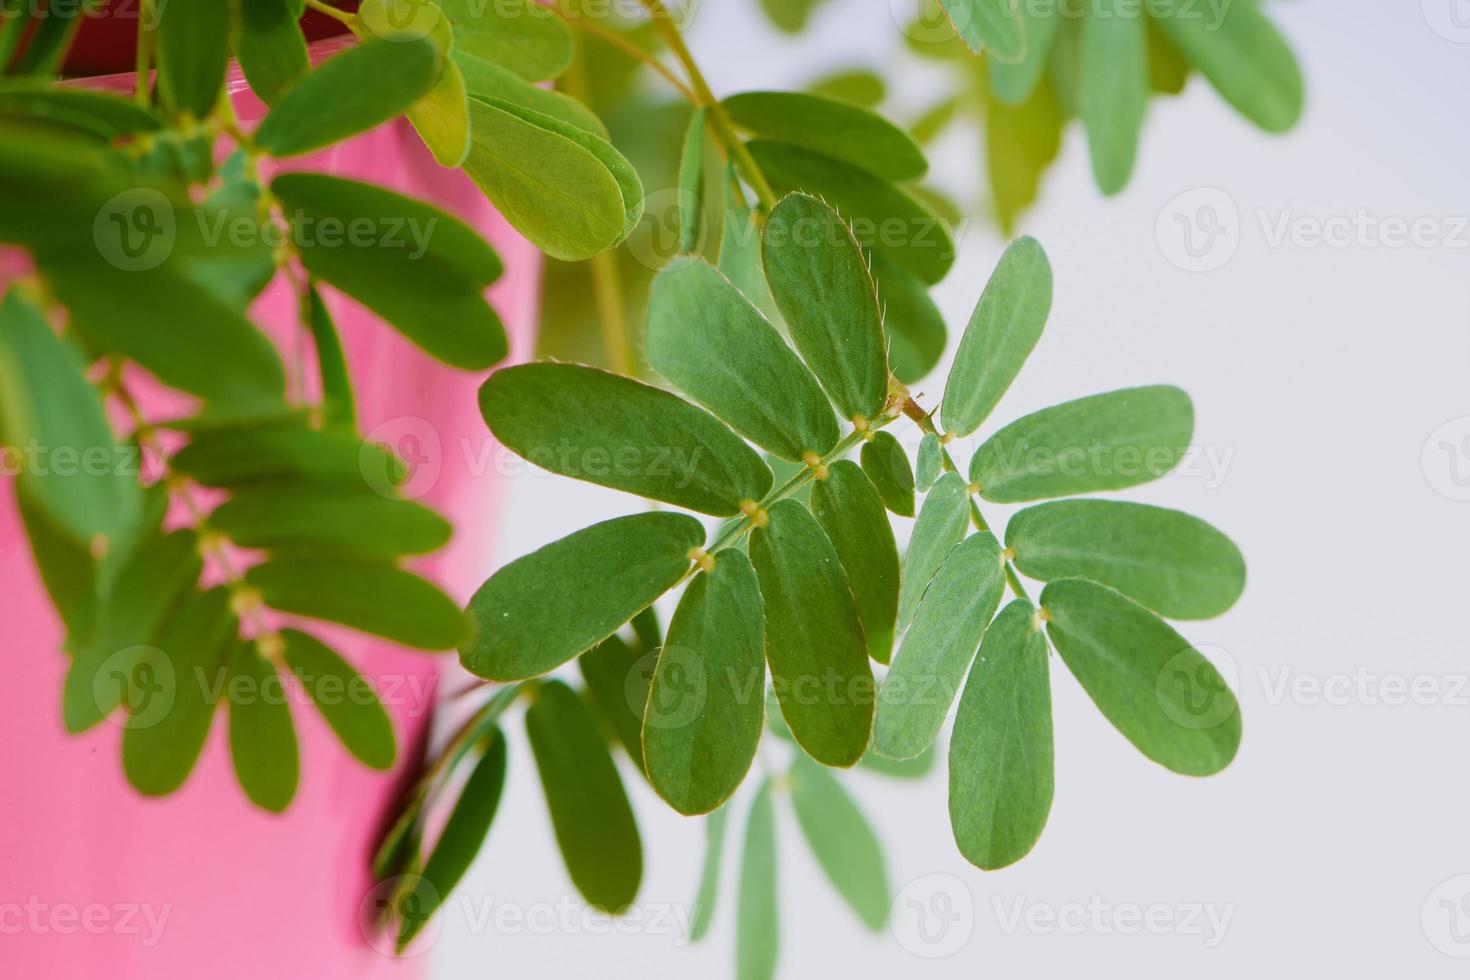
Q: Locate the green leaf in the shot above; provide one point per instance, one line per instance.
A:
(1146, 679)
(992, 26)
(842, 841)
(838, 129)
(1174, 564)
(105, 669)
(617, 684)
(463, 835)
(169, 720)
(883, 216)
(338, 405)
(790, 16)
(270, 47)
(520, 35)
(321, 517)
(595, 828)
(930, 464)
(1244, 57)
(376, 599)
(1115, 86)
(740, 255)
(814, 638)
(488, 82)
(72, 468)
(691, 183)
(351, 93)
(345, 698)
(887, 465)
(1000, 754)
(1021, 141)
(66, 568)
(916, 768)
(97, 114)
(552, 188)
(1002, 332)
(420, 269)
(616, 432)
(703, 720)
(849, 510)
(912, 323)
(262, 735)
(1168, 71)
(1013, 82)
(856, 85)
(942, 523)
(288, 452)
(821, 283)
(709, 875)
(442, 118)
(543, 609)
(191, 46)
(1103, 442)
(938, 647)
(757, 918)
(706, 337)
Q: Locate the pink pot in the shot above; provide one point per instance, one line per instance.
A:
(96, 881)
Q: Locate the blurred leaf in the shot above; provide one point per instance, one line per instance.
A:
(993, 26)
(241, 456)
(859, 86)
(345, 698)
(835, 128)
(520, 35)
(740, 257)
(930, 464)
(606, 429)
(611, 670)
(1114, 90)
(1173, 563)
(442, 117)
(887, 465)
(1021, 142)
(938, 647)
(1000, 755)
(543, 609)
(270, 47)
(1168, 71)
(916, 768)
(842, 841)
(814, 638)
(913, 324)
(691, 183)
(97, 114)
(595, 828)
(1146, 679)
(709, 876)
(262, 735)
(935, 120)
(1103, 442)
(66, 568)
(757, 918)
(1013, 82)
(191, 47)
(338, 404)
(706, 337)
(703, 720)
(942, 523)
(851, 513)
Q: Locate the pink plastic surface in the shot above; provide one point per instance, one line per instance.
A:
(97, 882)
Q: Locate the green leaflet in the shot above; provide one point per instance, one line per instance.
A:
(421, 270)
(338, 405)
(463, 835)
(442, 117)
(887, 465)
(1013, 82)
(646, 631)
(814, 638)
(709, 875)
(757, 918)
(595, 828)
(691, 183)
(1115, 88)
(1146, 679)
(617, 684)
(105, 668)
(1021, 141)
(490, 82)
(1002, 332)
(324, 518)
(860, 86)
(1245, 58)
(1167, 69)
(262, 736)
(66, 568)
(519, 35)
(883, 216)
(849, 510)
(72, 468)
(239, 457)
(937, 649)
(740, 255)
(169, 719)
(543, 609)
(821, 283)
(351, 93)
(606, 429)
(376, 599)
(1174, 564)
(913, 325)
(191, 45)
(930, 464)
(345, 698)
(237, 268)
(992, 26)
(942, 523)
(1000, 753)
(707, 339)
(100, 115)
(835, 128)
(703, 720)
(1103, 442)
(270, 48)
(916, 768)
(841, 839)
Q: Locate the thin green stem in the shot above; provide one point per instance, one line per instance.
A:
(143, 59)
(325, 8)
(628, 48)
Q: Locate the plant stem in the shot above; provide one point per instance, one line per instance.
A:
(143, 60)
(627, 47)
(325, 8)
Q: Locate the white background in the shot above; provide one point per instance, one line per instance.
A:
(1318, 374)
